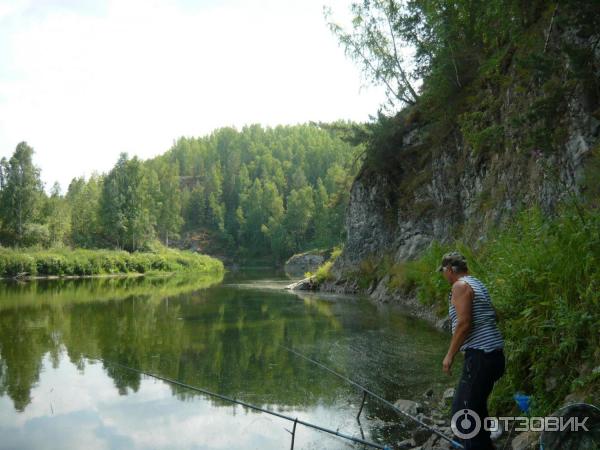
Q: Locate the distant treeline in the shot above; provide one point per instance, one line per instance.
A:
(256, 192)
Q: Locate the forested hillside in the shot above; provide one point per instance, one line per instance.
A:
(251, 193)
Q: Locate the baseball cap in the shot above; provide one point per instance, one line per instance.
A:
(453, 259)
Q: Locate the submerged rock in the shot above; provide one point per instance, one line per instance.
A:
(306, 284)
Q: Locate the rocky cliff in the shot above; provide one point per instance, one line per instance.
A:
(523, 133)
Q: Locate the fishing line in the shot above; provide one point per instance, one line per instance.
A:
(364, 389)
(242, 403)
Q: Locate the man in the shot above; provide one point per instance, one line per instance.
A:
(474, 332)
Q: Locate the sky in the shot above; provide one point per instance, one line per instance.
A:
(83, 80)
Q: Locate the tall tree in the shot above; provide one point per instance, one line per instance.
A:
(194, 208)
(57, 216)
(374, 42)
(126, 204)
(168, 202)
(300, 211)
(21, 195)
(84, 201)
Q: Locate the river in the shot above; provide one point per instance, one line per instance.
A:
(225, 336)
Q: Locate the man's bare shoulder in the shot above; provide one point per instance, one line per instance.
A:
(461, 287)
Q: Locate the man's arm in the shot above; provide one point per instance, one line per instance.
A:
(462, 299)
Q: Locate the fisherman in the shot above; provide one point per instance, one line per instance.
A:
(474, 332)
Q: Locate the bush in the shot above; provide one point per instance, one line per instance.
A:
(14, 264)
(323, 272)
(36, 234)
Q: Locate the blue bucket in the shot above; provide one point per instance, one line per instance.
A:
(523, 401)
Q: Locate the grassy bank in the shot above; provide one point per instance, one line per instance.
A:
(66, 262)
(544, 278)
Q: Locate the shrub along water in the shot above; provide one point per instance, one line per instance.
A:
(323, 272)
(81, 262)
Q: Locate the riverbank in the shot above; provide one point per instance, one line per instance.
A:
(84, 263)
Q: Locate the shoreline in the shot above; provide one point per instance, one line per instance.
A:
(378, 294)
(77, 277)
(106, 275)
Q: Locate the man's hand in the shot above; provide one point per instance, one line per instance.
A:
(447, 364)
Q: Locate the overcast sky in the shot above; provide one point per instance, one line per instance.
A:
(83, 80)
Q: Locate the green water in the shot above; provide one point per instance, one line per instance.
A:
(221, 335)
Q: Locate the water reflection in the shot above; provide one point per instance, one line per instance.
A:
(224, 338)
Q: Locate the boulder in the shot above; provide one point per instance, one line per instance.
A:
(437, 443)
(305, 262)
(431, 442)
(406, 444)
(583, 415)
(525, 441)
(428, 393)
(408, 406)
(306, 284)
(420, 435)
(448, 396)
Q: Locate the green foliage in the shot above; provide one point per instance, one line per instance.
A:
(256, 192)
(57, 216)
(420, 276)
(266, 192)
(21, 193)
(323, 272)
(83, 199)
(167, 200)
(35, 234)
(451, 41)
(65, 262)
(378, 47)
(126, 204)
(481, 136)
(543, 275)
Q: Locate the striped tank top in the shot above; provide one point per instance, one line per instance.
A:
(484, 333)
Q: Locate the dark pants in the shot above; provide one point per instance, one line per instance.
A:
(480, 371)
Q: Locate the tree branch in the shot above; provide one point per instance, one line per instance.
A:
(402, 73)
(550, 28)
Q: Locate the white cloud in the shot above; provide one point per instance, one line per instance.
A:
(81, 88)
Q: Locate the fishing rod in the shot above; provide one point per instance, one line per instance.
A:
(367, 391)
(247, 405)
